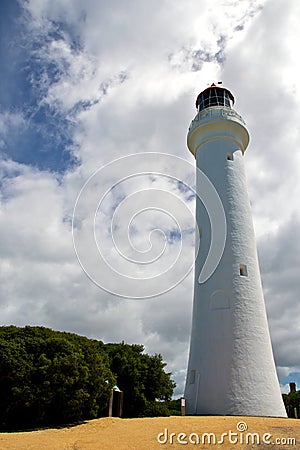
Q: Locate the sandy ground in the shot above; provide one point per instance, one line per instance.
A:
(142, 434)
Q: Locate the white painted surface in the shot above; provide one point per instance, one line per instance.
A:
(231, 368)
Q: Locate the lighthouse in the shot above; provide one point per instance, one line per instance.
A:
(231, 369)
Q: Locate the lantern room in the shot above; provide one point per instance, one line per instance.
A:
(214, 96)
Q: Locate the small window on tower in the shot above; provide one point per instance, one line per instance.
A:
(230, 156)
(243, 270)
(192, 376)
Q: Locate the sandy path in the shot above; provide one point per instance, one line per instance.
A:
(141, 434)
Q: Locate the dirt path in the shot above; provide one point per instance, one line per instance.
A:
(142, 434)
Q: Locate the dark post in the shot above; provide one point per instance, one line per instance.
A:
(115, 403)
(110, 404)
(120, 404)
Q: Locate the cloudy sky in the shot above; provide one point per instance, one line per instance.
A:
(84, 83)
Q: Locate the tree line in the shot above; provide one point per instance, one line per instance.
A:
(50, 377)
(292, 403)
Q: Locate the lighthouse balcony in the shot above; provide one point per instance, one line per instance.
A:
(216, 112)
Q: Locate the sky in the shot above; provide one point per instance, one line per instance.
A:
(93, 95)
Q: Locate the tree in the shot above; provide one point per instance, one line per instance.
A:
(49, 377)
(142, 379)
(292, 401)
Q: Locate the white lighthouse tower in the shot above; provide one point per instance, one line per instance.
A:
(231, 368)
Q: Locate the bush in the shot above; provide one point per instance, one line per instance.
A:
(155, 409)
(49, 377)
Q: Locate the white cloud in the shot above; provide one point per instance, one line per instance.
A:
(10, 123)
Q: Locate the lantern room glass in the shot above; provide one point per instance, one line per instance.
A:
(213, 97)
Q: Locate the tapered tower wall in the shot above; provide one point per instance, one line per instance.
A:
(231, 368)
